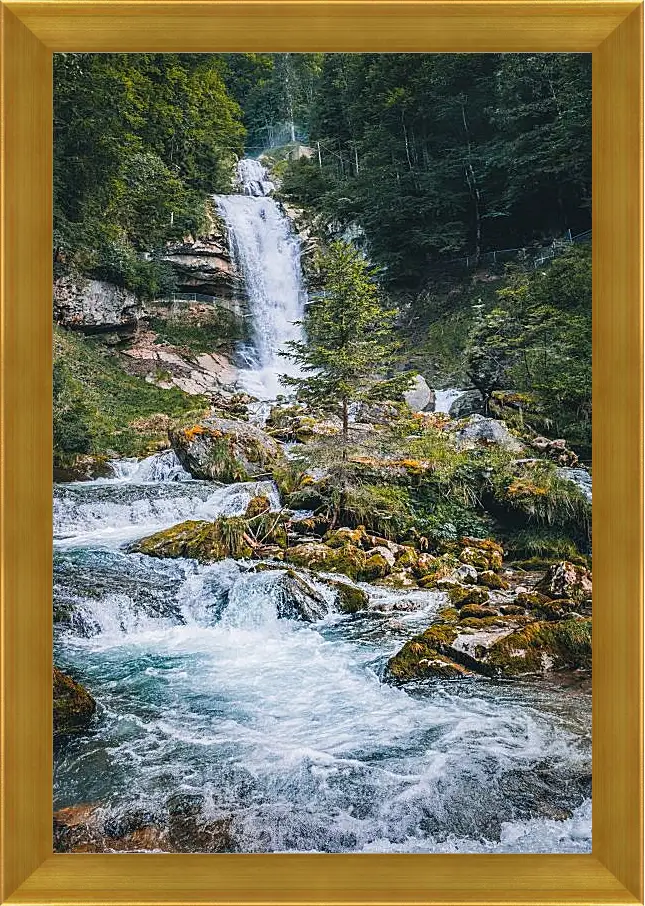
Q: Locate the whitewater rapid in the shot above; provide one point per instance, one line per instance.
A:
(267, 252)
(287, 728)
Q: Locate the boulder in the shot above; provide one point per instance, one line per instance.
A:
(316, 556)
(94, 306)
(489, 579)
(349, 598)
(555, 450)
(541, 647)
(420, 398)
(566, 580)
(73, 705)
(460, 596)
(198, 540)
(489, 432)
(470, 402)
(295, 598)
(224, 449)
(378, 413)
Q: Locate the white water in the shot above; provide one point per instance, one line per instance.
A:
(267, 252)
(287, 727)
(445, 398)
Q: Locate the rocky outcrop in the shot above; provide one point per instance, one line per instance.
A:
(420, 398)
(222, 449)
(566, 580)
(204, 266)
(73, 705)
(205, 374)
(488, 432)
(94, 306)
(470, 402)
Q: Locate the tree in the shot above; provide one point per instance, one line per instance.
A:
(350, 352)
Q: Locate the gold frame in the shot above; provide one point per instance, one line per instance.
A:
(31, 30)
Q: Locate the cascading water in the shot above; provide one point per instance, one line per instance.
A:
(267, 252)
(218, 705)
(207, 695)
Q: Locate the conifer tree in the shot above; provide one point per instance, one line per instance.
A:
(350, 352)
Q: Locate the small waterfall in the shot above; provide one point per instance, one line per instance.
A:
(162, 466)
(267, 252)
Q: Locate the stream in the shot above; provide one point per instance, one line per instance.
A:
(286, 729)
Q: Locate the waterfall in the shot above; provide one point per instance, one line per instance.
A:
(267, 253)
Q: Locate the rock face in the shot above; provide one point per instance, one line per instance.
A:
(420, 398)
(470, 402)
(222, 449)
(206, 374)
(204, 266)
(73, 705)
(488, 431)
(94, 306)
(566, 580)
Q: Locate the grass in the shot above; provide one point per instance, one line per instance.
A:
(99, 409)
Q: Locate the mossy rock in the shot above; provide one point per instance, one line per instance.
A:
(398, 579)
(554, 610)
(349, 598)
(543, 646)
(511, 610)
(349, 560)
(492, 580)
(375, 567)
(474, 557)
(224, 449)
(73, 705)
(566, 580)
(257, 505)
(305, 498)
(459, 596)
(340, 537)
(476, 611)
(417, 657)
(407, 558)
(531, 599)
(198, 540)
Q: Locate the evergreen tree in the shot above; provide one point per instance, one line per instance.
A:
(350, 352)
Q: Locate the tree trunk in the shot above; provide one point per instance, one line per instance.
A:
(345, 427)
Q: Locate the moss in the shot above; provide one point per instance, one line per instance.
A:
(541, 646)
(199, 540)
(460, 596)
(257, 505)
(491, 580)
(375, 567)
(349, 598)
(73, 704)
(476, 611)
(415, 659)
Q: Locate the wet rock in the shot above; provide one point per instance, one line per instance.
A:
(460, 596)
(199, 540)
(566, 580)
(492, 580)
(191, 831)
(476, 611)
(377, 565)
(94, 305)
(479, 430)
(469, 402)
(349, 598)
(222, 449)
(73, 705)
(296, 599)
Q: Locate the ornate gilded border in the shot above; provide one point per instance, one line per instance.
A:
(31, 30)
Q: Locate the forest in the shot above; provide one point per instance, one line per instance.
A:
(322, 452)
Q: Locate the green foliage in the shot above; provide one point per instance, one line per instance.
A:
(350, 351)
(100, 409)
(139, 141)
(430, 153)
(538, 339)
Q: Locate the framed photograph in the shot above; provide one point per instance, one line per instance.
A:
(347, 319)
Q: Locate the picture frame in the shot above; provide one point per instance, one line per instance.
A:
(31, 31)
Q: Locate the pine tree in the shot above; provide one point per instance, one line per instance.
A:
(350, 352)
